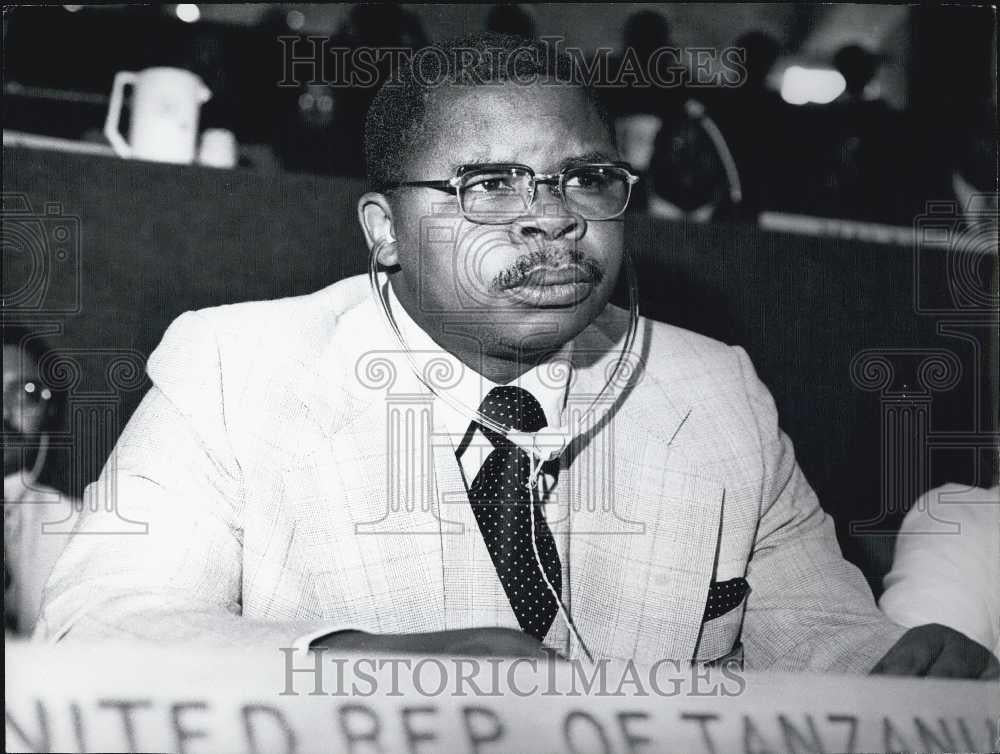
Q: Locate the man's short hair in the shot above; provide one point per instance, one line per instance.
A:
(396, 125)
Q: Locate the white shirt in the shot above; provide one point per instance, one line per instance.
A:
(546, 381)
(946, 568)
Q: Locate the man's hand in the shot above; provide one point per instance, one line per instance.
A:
(484, 642)
(939, 652)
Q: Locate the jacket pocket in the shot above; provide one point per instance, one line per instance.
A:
(724, 613)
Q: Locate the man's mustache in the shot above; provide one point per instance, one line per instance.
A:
(590, 270)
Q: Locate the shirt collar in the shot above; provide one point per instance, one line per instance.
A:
(547, 381)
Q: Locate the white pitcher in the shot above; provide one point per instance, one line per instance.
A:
(164, 122)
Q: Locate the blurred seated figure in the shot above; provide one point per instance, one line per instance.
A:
(36, 518)
(858, 174)
(959, 164)
(645, 32)
(692, 176)
(973, 171)
(752, 117)
(511, 18)
(761, 52)
(636, 135)
(948, 577)
(648, 92)
(941, 575)
(639, 110)
(858, 66)
(325, 132)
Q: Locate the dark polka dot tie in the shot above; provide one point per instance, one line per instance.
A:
(502, 504)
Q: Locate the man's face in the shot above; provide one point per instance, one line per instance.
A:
(531, 284)
(23, 412)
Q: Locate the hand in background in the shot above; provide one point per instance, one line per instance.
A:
(936, 651)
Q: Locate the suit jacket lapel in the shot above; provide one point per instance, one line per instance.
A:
(377, 463)
(411, 488)
(639, 523)
(644, 521)
(473, 595)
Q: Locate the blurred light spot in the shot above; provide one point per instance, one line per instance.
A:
(306, 101)
(800, 86)
(73, 8)
(188, 12)
(325, 103)
(295, 20)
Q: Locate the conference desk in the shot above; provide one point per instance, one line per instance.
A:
(137, 697)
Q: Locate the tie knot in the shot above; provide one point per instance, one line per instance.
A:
(514, 408)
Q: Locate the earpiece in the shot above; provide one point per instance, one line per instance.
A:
(384, 251)
(539, 446)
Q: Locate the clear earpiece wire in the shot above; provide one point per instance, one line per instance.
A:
(535, 454)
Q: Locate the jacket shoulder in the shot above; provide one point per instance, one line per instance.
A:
(239, 343)
(661, 341)
(286, 321)
(670, 340)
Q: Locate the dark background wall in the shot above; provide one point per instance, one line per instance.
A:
(875, 352)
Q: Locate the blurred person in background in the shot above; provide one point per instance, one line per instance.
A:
(946, 568)
(972, 169)
(858, 171)
(858, 66)
(31, 411)
(751, 117)
(692, 175)
(326, 133)
(640, 111)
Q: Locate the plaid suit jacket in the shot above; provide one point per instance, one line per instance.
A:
(285, 473)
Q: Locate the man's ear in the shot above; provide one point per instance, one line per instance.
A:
(375, 216)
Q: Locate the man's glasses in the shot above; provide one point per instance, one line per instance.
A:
(498, 193)
(29, 395)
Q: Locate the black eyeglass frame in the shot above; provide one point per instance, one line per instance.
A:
(558, 180)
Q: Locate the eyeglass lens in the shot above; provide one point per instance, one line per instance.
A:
(29, 394)
(497, 194)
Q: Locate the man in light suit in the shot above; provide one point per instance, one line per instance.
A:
(304, 477)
